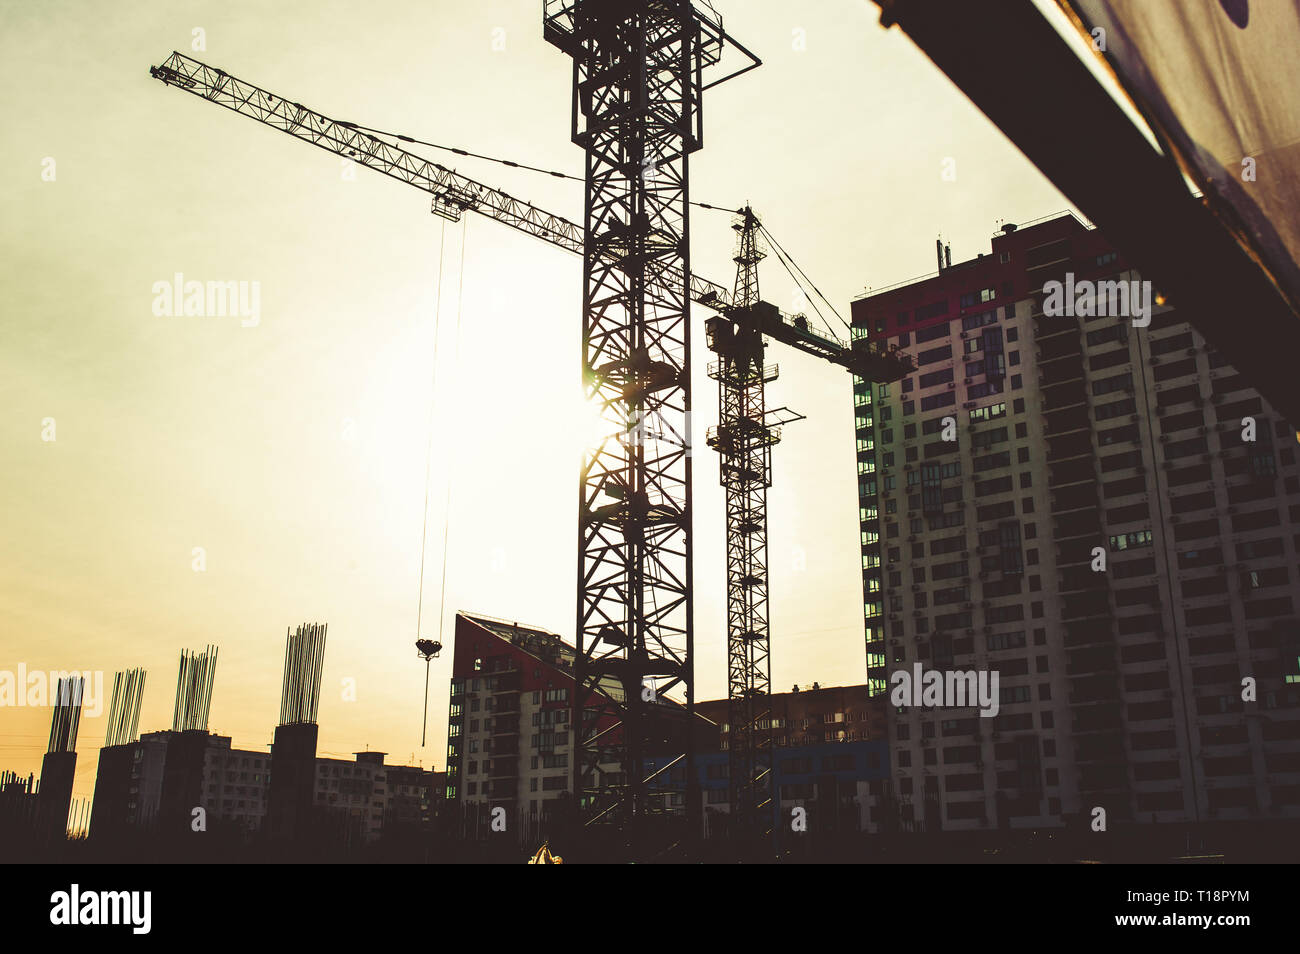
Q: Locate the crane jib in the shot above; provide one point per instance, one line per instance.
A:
(452, 192)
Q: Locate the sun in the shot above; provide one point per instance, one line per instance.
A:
(590, 425)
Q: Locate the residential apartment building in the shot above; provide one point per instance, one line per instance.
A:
(360, 798)
(510, 741)
(509, 738)
(830, 755)
(1107, 515)
(813, 715)
(364, 797)
(839, 785)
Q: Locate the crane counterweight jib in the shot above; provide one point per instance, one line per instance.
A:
(860, 357)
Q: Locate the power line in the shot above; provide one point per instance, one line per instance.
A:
(460, 152)
(456, 150)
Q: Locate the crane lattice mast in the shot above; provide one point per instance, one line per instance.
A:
(637, 113)
(744, 437)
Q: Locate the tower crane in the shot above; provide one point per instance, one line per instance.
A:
(639, 78)
(746, 432)
(744, 437)
(633, 389)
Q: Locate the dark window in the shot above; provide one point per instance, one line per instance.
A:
(978, 321)
(942, 399)
(936, 377)
(934, 354)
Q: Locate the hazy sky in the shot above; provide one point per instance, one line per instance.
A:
(293, 452)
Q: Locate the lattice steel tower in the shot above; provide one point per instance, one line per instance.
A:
(638, 70)
(744, 438)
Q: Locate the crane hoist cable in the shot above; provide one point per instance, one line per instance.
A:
(446, 527)
(429, 648)
(428, 453)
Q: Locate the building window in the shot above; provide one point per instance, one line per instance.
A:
(978, 297)
(988, 412)
(934, 331)
(930, 356)
(1128, 541)
(978, 321)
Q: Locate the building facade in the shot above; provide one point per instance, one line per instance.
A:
(1102, 511)
(509, 738)
(830, 756)
(813, 715)
(359, 799)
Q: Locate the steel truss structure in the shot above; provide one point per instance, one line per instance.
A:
(452, 192)
(637, 92)
(744, 437)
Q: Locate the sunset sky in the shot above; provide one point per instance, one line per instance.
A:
(293, 451)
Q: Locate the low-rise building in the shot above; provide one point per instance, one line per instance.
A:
(361, 798)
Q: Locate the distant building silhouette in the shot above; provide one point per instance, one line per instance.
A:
(353, 802)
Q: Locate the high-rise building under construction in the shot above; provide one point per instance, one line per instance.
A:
(1101, 510)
